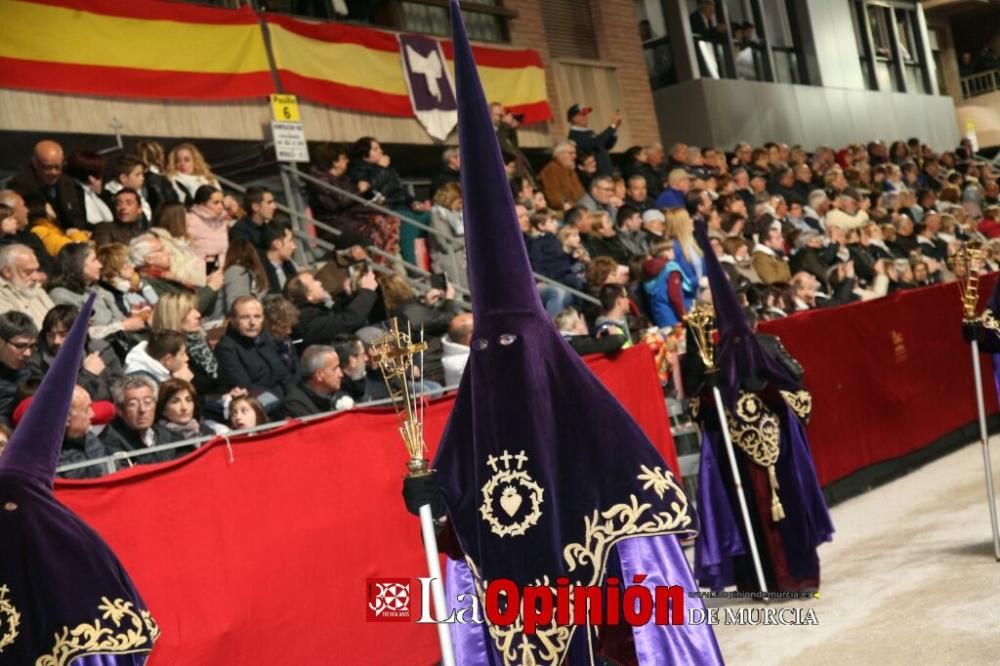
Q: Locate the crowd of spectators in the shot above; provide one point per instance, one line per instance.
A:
(203, 322)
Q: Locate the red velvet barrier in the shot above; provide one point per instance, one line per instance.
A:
(887, 376)
(263, 558)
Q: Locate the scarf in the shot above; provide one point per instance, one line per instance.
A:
(201, 354)
(188, 430)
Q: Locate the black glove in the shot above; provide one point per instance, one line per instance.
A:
(420, 490)
(971, 330)
(710, 379)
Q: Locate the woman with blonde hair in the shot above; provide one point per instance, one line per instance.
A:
(179, 312)
(187, 171)
(446, 218)
(170, 226)
(431, 312)
(680, 228)
(120, 279)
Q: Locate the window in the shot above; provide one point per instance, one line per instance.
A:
(891, 46)
(655, 43)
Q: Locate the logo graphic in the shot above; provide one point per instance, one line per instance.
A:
(512, 501)
(388, 600)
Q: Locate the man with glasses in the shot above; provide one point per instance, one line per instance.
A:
(600, 196)
(44, 176)
(21, 283)
(132, 429)
(18, 340)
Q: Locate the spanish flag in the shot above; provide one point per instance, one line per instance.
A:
(140, 49)
(360, 69)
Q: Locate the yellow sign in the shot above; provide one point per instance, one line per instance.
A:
(285, 108)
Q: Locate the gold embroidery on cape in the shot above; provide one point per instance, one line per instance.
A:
(602, 530)
(97, 638)
(801, 403)
(510, 488)
(757, 432)
(989, 321)
(9, 619)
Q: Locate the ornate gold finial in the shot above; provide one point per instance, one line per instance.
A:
(394, 353)
(969, 259)
(700, 319)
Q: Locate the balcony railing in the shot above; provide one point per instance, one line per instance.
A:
(981, 84)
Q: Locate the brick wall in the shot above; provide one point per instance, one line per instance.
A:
(618, 43)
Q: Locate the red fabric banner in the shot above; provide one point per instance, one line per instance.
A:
(887, 376)
(259, 553)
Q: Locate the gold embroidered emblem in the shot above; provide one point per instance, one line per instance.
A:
(989, 321)
(98, 638)
(9, 619)
(800, 402)
(514, 493)
(757, 433)
(603, 529)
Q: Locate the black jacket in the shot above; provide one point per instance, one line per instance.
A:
(158, 190)
(246, 230)
(273, 285)
(584, 344)
(384, 180)
(588, 141)
(609, 247)
(445, 175)
(10, 381)
(63, 196)
(303, 401)
(318, 323)
(90, 447)
(118, 437)
(253, 364)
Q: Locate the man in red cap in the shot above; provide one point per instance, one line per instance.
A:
(587, 141)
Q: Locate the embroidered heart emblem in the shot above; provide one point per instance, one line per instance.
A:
(511, 500)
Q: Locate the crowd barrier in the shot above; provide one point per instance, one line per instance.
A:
(257, 551)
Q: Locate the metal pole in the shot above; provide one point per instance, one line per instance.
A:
(437, 586)
(739, 490)
(985, 440)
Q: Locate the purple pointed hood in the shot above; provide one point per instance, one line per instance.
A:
(57, 574)
(536, 452)
(739, 354)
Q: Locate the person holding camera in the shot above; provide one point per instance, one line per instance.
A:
(320, 319)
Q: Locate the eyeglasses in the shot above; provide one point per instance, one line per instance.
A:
(23, 346)
(145, 403)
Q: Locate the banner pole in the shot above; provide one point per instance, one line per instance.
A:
(984, 439)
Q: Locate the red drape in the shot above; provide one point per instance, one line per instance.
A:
(887, 376)
(263, 559)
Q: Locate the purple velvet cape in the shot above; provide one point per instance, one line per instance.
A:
(56, 571)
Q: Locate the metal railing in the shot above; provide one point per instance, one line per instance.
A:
(981, 84)
(449, 243)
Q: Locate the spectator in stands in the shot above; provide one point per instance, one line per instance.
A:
(586, 168)
(179, 313)
(506, 123)
(663, 284)
(319, 391)
(162, 357)
(905, 240)
(20, 283)
(153, 262)
(636, 194)
(588, 141)
(319, 319)
(550, 260)
(680, 227)
(449, 169)
(248, 356)
(132, 429)
(432, 313)
(630, 231)
(18, 341)
(456, 348)
(573, 328)
(246, 412)
(207, 227)
(559, 179)
(127, 173)
(675, 196)
(331, 207)
(23, 234)
(128, 222)
(86, 168)
(704, 24)
(170, 226)
(280, 319)
(44, 176)
(370, 164)
(260, 206)
(768, 258)
(600, 196)
(187, 171)
(99, 370)
(353, 363)
(157, 190)
(604, 240)
(615, 309)
(279, 244)
(654, 226)
(928, 241)
(80, 443)
(44, 226)
(120, 280)
(244, 274)
(178, 415)
(447, 246)
(79, 273)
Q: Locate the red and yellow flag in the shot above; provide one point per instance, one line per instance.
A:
(360, 69)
